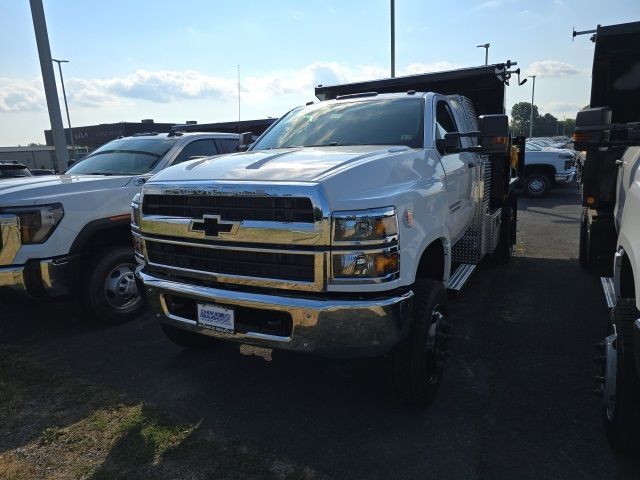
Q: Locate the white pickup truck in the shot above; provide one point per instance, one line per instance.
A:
(341, 228)
(70, 234)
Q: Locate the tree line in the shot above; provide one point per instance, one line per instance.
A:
(543, 125)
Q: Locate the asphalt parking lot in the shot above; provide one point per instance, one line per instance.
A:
(516, 401)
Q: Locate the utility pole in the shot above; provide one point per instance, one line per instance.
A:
(66, 106)
(239, 96)
(486, 52)
(49, 80)
(533, 91)
(393, 38)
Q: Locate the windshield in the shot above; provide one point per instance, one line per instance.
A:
(125, 156)
(13, 172)
(369, 122)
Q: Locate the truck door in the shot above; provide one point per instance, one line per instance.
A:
(458, 169)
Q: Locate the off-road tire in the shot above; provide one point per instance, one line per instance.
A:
(419, 360)
(537, 185)
(622, 423)
(94, 295)
(185, 338)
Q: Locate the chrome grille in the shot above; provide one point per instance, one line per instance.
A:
(231, 208)
(269, 265)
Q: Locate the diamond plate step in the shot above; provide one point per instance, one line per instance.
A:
(460, 277)
(609, 291)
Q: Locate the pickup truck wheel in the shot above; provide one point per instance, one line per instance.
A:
(185, 338)
(419, 360)
(110, 291)
(537, 185)
(621, 383)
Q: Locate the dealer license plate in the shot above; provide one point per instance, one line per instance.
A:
(216, 318)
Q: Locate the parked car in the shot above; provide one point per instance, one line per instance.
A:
(547, 167)
(13, 170)
(70, 234)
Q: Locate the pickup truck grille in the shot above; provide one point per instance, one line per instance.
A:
(248, 263)
(231, 208)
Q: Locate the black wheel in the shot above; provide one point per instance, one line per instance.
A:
(419, 360)
(621, 383)
(537, 185)
(109, 290)
(583, 255)
(185, 338)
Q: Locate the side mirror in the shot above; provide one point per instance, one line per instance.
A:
(494, 133)
(244, 141)
(447, 145)
(592, 129)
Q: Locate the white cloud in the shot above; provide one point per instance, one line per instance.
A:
(560, 109)
(416, 68)
(168, 86)
(552, 69)
(488, 4)
(21, 96)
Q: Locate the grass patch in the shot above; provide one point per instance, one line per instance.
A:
(57, 426)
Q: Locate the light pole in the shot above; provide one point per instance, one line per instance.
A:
(64, 95)
(49, 81)
(533, 91)
(564, 121)
(393, 38)
(486, 52)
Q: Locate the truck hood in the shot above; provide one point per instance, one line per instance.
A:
(47, 189)
(306, 164)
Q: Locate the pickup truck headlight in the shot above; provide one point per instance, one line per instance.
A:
(365, 226)
(135, 211)
(353, 265)
(37, 223)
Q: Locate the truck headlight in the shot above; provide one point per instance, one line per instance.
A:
(380, 264)
(38, 222)
(371, 226)
(135, 211)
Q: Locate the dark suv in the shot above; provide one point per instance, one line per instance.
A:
(14, 170)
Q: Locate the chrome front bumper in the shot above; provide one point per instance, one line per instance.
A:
(566, 177)
(334, 327)
(48, 277)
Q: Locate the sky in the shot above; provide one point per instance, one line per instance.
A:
(175, 61)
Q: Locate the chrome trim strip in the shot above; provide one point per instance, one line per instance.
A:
(249, 231)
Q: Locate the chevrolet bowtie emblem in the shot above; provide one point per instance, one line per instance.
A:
(213, 226)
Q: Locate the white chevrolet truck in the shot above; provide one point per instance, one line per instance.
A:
(340, 229)
(69, 234)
